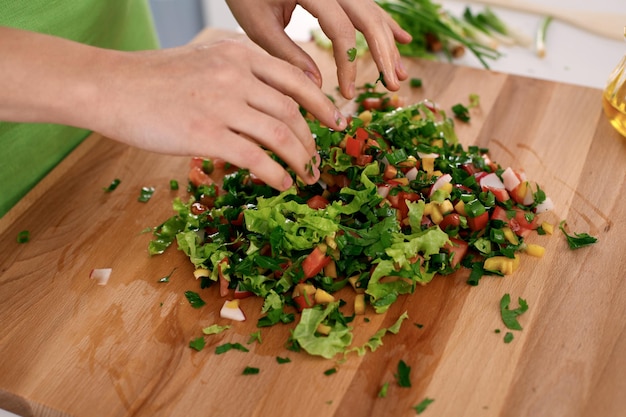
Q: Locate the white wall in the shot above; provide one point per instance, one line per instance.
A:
(217, 14)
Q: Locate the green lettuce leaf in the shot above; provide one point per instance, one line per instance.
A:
(305, 333)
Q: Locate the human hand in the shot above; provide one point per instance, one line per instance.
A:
(222, 100)
(265, 20)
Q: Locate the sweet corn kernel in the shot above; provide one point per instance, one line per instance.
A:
(535, 250)
(359, 304)
(547, 227)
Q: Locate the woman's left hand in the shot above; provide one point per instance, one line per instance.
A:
(265, 20)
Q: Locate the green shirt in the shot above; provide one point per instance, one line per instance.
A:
(29, 151)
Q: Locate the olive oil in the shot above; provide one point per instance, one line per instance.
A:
(614, 97)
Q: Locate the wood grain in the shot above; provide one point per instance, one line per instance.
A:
(72, 348)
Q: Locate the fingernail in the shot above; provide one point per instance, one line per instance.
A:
(318, 159)
(287, 182)
(315, 172)
(351, 89)
(340, 120)
(402, 68)
(313, 77)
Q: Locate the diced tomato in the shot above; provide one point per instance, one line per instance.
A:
(519, 223)
(363, 160)
(450, 220)
(222, 277)
(377, 103)
(198, 208)
(479, 175)
(372, 103)
(479, 222)
(398, 201)
(457, 249)
(490, 163)
(314, 263)
(302, 301)
(501, 194)
(354, 146)
(341, 181)
(205, 165)
(317, 202)
(198, 177)
(499, 214)
(239, 220)
(361, 134)
(239, 293)
(470, 168)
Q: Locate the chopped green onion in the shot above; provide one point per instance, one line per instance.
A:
(383, 390)
(540, 41)
(112, 186)
(146, 194)
(474, 208)
(415, 82)
(330, 371)
(173, 185)
(23, 236)
(461, 112)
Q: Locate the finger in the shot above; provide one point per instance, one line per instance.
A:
(248, 155)
(276, 135)
(292, 82)
(268, 31)
(283, 108)
(375, 24)
(336, 24)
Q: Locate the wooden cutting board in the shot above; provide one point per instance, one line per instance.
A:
(71, 347)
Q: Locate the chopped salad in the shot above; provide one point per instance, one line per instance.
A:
(399, 202)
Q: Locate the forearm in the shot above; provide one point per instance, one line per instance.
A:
(46, 79)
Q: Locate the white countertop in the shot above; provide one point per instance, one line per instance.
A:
(572, 55)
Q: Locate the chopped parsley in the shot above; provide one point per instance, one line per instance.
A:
(281, 360)
(421, 407)
(230, 346)
(255, 337)
(403, 375)
(509, 317)
(508, 337)
(577, 240)
(194, 299)
(173, 185)
(249, 370)
(197, 343)
(167, 277)
(351, 54)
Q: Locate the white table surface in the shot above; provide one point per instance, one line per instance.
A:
(573, 55)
